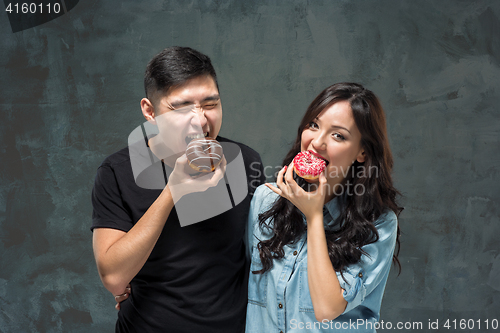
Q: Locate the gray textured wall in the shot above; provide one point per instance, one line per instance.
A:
(70, 92)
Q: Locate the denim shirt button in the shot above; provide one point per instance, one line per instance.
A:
(280, 306)
(360, 274)
(294, 253)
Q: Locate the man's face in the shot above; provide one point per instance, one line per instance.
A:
(190, 110)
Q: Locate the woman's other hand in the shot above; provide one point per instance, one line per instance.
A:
(120, 298)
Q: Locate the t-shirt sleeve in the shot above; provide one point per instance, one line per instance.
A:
(360, 279)
(109, 210)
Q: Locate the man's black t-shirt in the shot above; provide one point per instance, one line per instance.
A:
(195, 279)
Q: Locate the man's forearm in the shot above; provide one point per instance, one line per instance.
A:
(119, 255)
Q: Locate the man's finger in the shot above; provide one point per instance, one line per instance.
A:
(223, 164)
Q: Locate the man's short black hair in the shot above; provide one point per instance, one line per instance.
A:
(173, 66)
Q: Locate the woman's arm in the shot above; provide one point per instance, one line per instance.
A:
(327, 293)
(324, 286)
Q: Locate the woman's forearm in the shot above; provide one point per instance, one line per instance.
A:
(324, 286)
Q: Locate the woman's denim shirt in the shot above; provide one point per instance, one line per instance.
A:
(279, 300)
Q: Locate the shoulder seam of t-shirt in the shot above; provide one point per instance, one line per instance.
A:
(114, 163)
(240, 144)
(108, 163)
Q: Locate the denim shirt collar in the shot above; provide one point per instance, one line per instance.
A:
(330, 214)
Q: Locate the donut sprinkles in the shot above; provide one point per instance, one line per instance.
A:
(308, 166)
(204, 155)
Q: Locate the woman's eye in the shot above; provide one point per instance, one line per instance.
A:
(312, 125)
(339, 136)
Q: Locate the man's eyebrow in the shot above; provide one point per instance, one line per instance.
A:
(214, 97)
(180, 103)
(177, 104)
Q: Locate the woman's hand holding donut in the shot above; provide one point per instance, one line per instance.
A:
(184, 180)
(120, 298)
(309, 203)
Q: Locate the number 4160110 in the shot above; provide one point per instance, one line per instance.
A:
(33, 8)
(464, 324)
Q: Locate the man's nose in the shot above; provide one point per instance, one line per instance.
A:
(199, 118)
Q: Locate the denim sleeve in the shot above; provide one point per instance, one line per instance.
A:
(262, 200)
(253, 216)
(360, 279)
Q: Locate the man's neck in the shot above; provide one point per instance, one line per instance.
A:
(159, 149)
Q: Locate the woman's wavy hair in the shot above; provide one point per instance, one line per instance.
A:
(358, 212)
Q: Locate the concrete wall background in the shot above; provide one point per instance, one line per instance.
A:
(70, 92)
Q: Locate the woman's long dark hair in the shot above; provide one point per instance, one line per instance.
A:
(358, 212)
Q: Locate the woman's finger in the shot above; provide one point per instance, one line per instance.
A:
(322, 184)
(122, 297)
(289, 174)
(292, 184)
(322, 178)
(279, 181)
(274, 189)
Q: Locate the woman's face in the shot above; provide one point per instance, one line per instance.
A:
(335, 136)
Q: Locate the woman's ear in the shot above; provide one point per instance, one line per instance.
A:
(148, 110)
(361, 156)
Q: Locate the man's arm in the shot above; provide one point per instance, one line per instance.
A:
(121, 255)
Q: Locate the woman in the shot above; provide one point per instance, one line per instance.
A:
(320, 259)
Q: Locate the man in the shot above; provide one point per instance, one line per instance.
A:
(183, 279)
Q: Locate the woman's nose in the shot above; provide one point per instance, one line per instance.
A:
(319, 143)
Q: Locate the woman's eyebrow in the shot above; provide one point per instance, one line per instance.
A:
(340, 127)
(335, 126)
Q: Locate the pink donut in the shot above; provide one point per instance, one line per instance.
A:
(308, 165)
